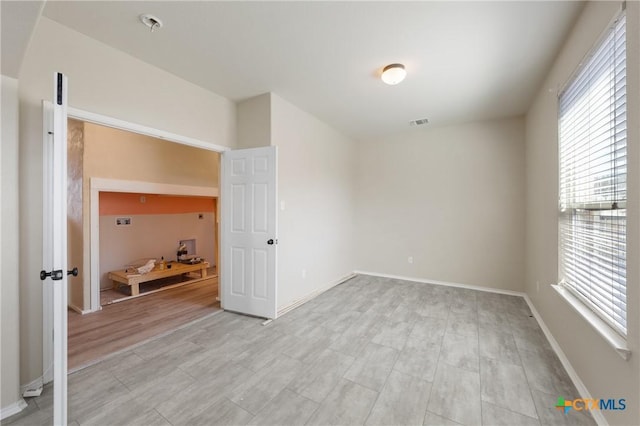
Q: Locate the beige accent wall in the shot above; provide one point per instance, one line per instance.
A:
(105, 81)
(9, 249)
(604, 373)
(316, 167)
(116, 154)
(451, 198)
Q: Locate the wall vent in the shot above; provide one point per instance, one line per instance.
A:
(419, 122)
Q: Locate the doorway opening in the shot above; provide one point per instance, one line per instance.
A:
(175, 187)
(174, 236)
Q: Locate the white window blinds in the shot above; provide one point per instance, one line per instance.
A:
(593, 177)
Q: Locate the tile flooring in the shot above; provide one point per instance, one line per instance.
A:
(372, 351)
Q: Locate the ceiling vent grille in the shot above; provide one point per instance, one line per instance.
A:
(419, 122)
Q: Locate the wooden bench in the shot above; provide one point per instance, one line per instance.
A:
(171, 270)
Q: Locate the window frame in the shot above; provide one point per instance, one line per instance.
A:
(588, 309)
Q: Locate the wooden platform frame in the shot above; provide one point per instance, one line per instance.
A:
(172, 269)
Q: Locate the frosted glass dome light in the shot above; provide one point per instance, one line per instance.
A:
(393, 74)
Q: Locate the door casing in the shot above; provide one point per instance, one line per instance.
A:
(83, 115)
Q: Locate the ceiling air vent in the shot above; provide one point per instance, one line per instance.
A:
(419, 122)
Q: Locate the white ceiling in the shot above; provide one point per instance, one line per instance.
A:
(465, 60)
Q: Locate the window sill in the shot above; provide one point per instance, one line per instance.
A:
(614, 339)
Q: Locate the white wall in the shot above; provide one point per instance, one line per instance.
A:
(316, 177)
(152, 236)
(603, 371)
(9, 248)
(104, 81)
(449, 197)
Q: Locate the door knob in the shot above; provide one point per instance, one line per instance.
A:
(73, 272)
(270, 242)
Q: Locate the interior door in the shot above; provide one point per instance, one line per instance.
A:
(249, 231)
(54, 246)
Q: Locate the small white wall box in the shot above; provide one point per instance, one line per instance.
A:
(123, 221)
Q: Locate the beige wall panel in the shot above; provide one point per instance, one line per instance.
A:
(10, 248)
(451, 198)
(315, 173)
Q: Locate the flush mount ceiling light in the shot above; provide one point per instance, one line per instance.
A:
(393, 74)
(151, 21)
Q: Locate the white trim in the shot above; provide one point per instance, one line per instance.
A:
(12, 409)
(34, 385)
(60, 256)
(577, 382)
(78, 310)
(94, 247)
(115, 185)
(47, 375)
(116, 123)
(298, 302)
(47, 243)
(616, 341)
(444, 283)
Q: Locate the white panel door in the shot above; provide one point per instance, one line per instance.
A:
(249, 231)
(54, 246)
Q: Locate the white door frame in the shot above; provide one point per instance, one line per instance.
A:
(47, 223)
(116, 123)
(103, 120)
(54, 243)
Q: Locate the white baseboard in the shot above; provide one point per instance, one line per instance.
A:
(47, 376)
(79, 310)
(12, 409)
(577, 382)
(444, 283)
(34, 384)
(313, 295)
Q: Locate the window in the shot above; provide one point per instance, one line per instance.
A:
(593, 177)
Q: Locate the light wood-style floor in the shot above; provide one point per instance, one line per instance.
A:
(372, 351)
(120, 325)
